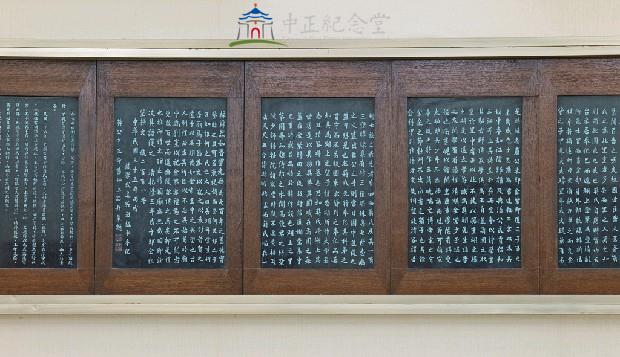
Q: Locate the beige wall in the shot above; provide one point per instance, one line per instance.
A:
(216, 19)
(154, 336)
(424, 336)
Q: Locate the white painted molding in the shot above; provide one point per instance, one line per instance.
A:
(218, 49)
(309, 305)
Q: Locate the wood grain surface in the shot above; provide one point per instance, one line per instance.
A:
(169, 79)
(568, 77)
(67, 79)
(464, 78)
(315, 79)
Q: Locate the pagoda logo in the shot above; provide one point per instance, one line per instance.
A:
(255, 26)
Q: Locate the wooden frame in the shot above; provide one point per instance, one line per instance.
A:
(169, 79)
(65, 79)
(315, 79)
(539, 82)
(569, 77)
(464, 78)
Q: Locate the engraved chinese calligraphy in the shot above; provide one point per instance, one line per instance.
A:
(464, 182)
(169, 182)
(588, 182)
(317, 183)
(38, 172)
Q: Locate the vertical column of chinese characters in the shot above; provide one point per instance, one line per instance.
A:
(9, 178)
(63, 186)
(16, 183)
(216, 178)
(35, 236)
(132, 196)
(464, 183)
(317, 189)
(2, 153)
(44, 188)
(122, 234)
(320, 251)
(588, 182)
(72, 183)
(3, 137)
(8, 144)
(26, 183)
(423, 162)
(7, 157)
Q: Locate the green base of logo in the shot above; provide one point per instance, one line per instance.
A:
(246, 42)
